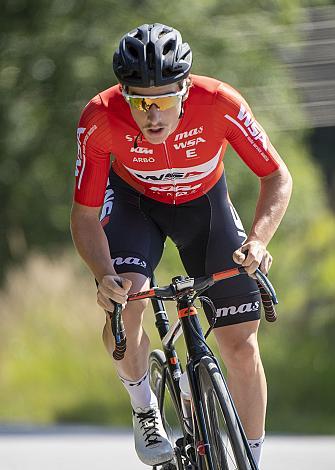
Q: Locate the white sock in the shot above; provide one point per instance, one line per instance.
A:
(141, 395)
(256, 446)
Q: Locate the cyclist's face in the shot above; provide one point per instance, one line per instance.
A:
(156, 125)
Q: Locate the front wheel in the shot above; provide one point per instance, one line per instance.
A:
(161, 383)
(228, 445)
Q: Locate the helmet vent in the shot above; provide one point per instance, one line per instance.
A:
(167, 48)
(151, 56)
(138, 35)
(133, 52)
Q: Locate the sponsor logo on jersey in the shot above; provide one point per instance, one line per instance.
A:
(169, 176)
(80, 131)
(182, 175)
(129, 260)
(187, 134)
(177, 187)
(252, 126)
(108, 203)
(233, 310)
(143, 160)
(142, 150)
(81, 156)
(189, 143)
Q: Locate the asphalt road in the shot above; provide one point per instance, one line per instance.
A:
(87, 448)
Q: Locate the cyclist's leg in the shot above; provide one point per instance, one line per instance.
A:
(246, 379)
(135, 363)
(136, 245)
(209, 249)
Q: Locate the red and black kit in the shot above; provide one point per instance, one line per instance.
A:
(174, 189)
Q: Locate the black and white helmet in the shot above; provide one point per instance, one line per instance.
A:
(152, 55)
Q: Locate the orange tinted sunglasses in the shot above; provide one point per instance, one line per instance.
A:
(163, 102)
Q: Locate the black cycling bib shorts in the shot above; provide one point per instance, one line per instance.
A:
(206, 232)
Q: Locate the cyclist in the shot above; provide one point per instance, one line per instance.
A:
(167, 131)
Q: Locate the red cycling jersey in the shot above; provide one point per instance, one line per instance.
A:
(187, 164)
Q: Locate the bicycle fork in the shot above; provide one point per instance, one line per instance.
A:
(202, 446)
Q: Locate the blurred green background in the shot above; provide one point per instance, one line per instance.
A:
(56, 55)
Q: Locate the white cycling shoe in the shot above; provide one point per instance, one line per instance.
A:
(151, 442)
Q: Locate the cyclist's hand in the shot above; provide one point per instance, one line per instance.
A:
(110, 288)
(257, 256)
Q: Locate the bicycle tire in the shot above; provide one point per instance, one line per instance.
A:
(157, 367)
(228, 445)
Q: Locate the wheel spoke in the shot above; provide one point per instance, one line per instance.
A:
(227, 441)
(224, 454)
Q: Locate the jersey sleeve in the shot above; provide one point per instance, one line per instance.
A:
(93, 157)
(244, 133)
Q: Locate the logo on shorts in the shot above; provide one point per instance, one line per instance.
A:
(129, 260)
(108, 203)
(243, 308)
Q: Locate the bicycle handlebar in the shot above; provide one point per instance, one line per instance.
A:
(181, 285)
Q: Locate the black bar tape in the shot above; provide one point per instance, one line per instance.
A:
(269, 309)
(120, 349)
(118, 332)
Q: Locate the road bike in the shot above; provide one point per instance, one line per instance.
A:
(207, 433)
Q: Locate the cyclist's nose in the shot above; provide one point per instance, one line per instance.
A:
(154, 114)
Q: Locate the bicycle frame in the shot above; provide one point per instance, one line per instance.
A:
(184, 291)
(196, 349)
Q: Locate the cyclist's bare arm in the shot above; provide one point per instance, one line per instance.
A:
(274, 196)
(91, 243)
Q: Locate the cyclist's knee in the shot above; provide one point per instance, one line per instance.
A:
(241, 355)
(244, 357)
(133, 315)
(132, 319)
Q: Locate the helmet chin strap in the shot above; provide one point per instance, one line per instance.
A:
(181, 114)
(139, 136)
